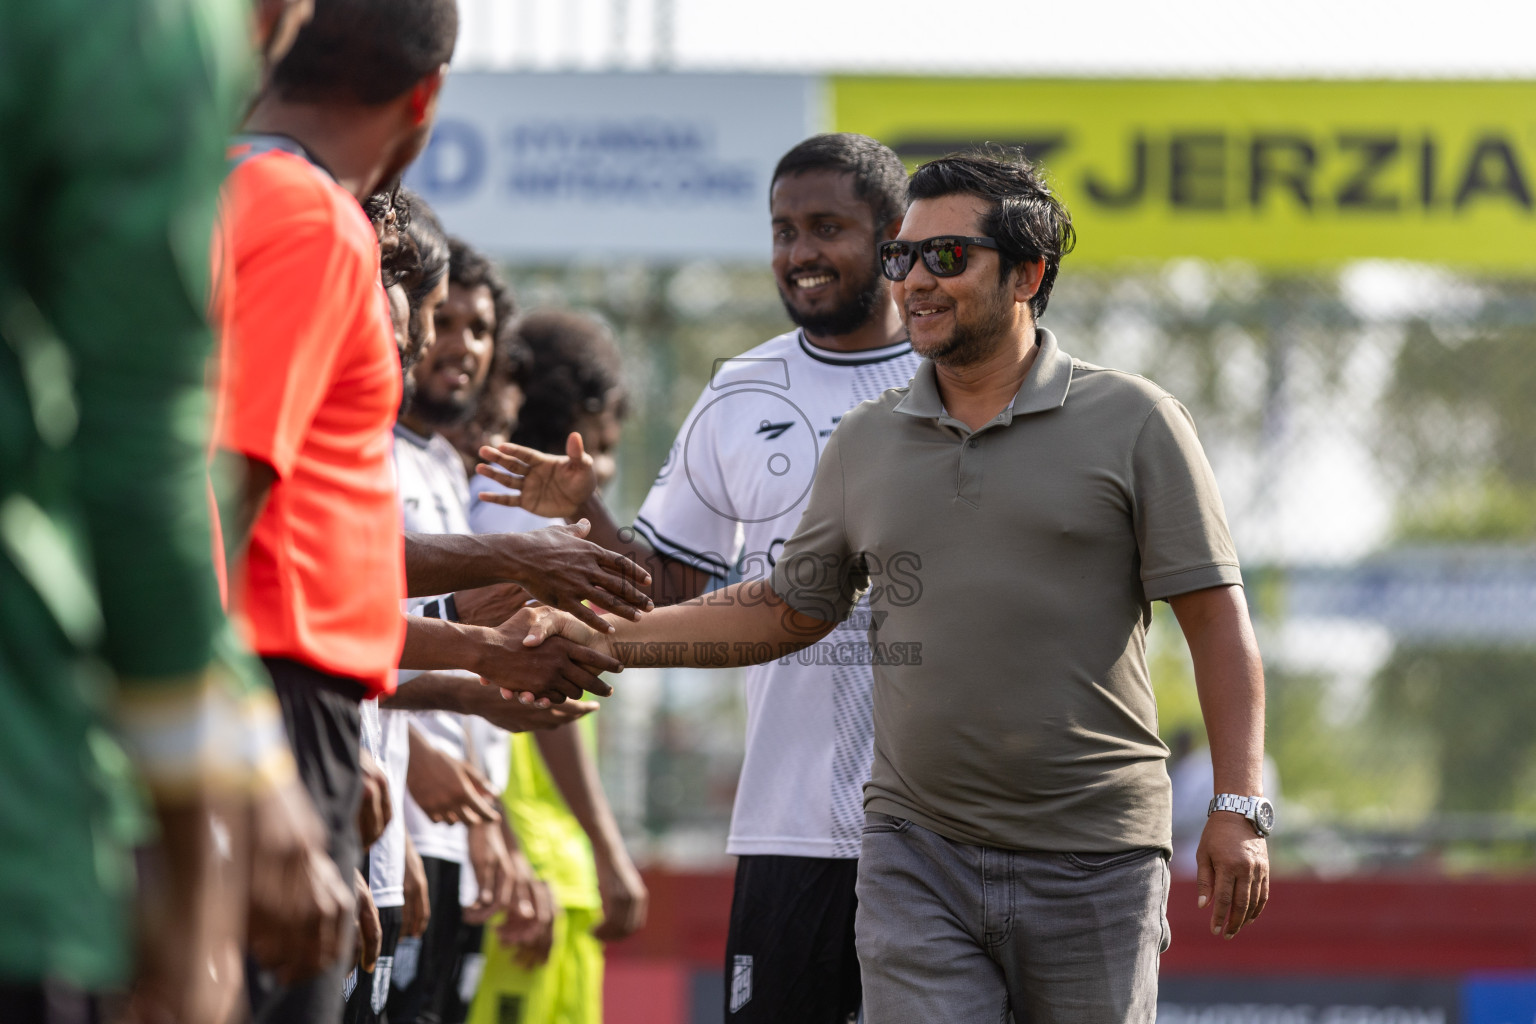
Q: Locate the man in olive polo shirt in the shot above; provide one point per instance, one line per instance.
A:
(1012, 515)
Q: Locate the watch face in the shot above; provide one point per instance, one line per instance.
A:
(1264, 817)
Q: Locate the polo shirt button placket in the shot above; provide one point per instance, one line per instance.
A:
(970, 473)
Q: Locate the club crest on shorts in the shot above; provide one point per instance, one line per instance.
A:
(380, 994)
(407, 951)
(471, 967)
(741, 982)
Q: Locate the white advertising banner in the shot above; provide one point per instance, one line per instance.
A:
(553, 167)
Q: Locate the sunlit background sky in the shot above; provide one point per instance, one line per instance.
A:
(1356, 38)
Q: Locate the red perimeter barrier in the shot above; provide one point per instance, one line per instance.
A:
(1401, 927)
(688, 919)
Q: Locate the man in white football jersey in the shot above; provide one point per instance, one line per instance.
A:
(730, 493)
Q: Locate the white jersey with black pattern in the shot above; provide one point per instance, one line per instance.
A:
(730, 493)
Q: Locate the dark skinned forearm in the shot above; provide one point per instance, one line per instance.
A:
(241, 488)
(440, 563)
(437, 643)
(673, 581)
(443, 691)
(575, 776)
(432, 691)
(556, 565)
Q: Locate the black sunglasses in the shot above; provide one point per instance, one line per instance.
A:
(943, 255)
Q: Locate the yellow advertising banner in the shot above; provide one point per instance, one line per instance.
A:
(1280, 173)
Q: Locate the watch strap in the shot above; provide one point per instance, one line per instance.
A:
(1244, 805)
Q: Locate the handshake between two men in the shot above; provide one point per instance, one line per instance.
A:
(570, 643)
(536, 637)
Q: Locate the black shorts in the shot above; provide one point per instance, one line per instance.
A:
(47, 1002)
(369, 993)
(324, 725)
(790, 958)
(448, 958)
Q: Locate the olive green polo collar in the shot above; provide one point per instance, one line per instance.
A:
(1045, 386)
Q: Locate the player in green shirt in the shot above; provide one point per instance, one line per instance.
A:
(118, 675)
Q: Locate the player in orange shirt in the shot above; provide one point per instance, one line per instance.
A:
(312, 386)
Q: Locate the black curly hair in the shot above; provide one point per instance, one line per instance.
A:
(423, 234)
(576, 371)
(396, 264)
(468, 267)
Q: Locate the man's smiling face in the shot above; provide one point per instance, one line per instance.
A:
(824, 240)
(957, 320)
(451, 375)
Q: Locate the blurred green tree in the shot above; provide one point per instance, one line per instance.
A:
(1462, 429)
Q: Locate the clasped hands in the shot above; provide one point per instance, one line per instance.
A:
(555, 486)
(550, 656)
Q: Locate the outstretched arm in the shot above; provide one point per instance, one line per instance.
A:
(1233, 861)
(744, 624)
(555, 565)
(538, 650)
(750, 623)
(452, 691)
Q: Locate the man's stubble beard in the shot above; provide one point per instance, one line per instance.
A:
(409, 357)
(845, 319)
(440, 413)
(971, 343)
(407, 395)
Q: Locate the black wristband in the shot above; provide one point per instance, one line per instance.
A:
(438, 608)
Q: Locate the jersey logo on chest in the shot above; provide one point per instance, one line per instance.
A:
(773, 430)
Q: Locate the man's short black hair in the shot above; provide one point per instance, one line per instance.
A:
(468, 267)
(576, 368)
(879, 179)
(1027, 220)
(366, 51)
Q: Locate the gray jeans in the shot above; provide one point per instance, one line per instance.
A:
(948, 932)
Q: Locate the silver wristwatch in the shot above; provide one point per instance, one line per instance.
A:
(1259, 811)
